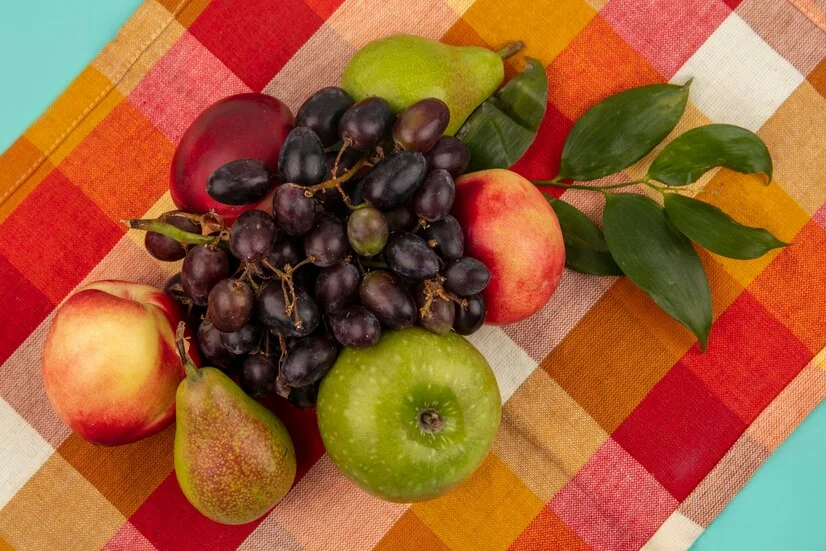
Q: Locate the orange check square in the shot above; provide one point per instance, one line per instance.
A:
(596, 64)
(791, 287)
(122, 165)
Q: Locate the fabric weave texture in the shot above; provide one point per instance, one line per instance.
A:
(617, 433)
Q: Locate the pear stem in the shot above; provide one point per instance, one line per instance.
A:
(510, 49)
(192, 372)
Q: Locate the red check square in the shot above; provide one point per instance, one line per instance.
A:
(665, 32)
(679, 431)
(23, 303)
(162, 515)
(613, 502)
(751, 357)
(173, 93)
(541, 160)
(56, 236)
(257, 38)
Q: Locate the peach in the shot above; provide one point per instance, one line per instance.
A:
(110, 362)
(510, 227)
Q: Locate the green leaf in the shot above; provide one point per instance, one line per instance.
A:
(691, 155)
(585, 248)
(659, 260)
(500, 130)
(715, 230)
(620, 130)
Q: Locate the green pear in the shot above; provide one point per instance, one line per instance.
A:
(404, 69)
(234, 459)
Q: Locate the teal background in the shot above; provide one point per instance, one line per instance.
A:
(45, 43)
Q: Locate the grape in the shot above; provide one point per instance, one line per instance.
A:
(356, 192)
(336, 286)
(434, 199)
(470, 318)
(366, 123)
(270, 306)
(165, 248)
(466, 276)
(450, 154)
(240, 182)
(308, 360)
(301, 160)
(252, 236)
(356, 326)
(390, 301)
(409, 256)
(326, 242)
(395, 179)
(293, 211)
(258, 375)
(446, 237)
(204, 266)
(401, 218)
(304, 397)
(213, 349)
(243, 340)
(230, 304)
(305, 277)
(322, 111)
(285, 251)
(367, 231)
(421, 125)
(441, 312)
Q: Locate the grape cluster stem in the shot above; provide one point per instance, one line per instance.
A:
(433, 288)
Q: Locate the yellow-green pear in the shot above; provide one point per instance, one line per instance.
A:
(404, 69)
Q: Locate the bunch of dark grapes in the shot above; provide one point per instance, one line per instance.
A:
(360, 240)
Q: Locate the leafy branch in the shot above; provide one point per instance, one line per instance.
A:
(649, 243)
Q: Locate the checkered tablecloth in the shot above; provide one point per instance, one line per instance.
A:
(617, 433)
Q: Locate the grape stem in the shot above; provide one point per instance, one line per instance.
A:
(167, 229)
(248, 276)
(433, 288)
(373, 263)
(287, 287)
(192, 372)
(335, 180)
(510, 49)
(347, 143)
(210, 222)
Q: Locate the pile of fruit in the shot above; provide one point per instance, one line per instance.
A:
(312, 247)
(328, 268)
(337, 257)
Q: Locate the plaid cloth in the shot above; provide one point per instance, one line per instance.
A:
(617, 433)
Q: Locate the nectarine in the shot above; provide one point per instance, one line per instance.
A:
(110, 362)
(244, 126)
(510, 227)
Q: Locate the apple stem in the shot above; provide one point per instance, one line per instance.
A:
(510, 49)
(430, 421)
(192, 372)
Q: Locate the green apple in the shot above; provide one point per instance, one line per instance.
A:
(411, 417)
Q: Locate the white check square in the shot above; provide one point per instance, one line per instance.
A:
(22, 452)
(738, 78)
